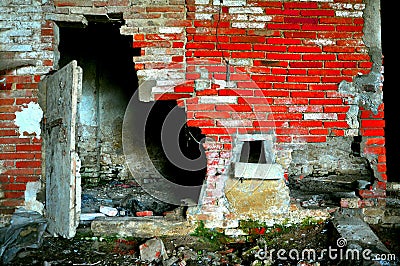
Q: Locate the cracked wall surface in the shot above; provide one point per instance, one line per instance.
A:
(308, 72)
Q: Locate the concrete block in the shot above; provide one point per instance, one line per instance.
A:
(258, 171)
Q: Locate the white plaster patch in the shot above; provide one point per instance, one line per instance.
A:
(349, 14)
(260, 18)
(170, 29)
(218, 99)
(28, 120)
(246, 10)
(320, 116)
(321, 42)
(341, 6)
(230, 2)
(31, 203)
(203, 16)
(248, 25)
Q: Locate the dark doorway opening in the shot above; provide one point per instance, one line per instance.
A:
(109, 81)
(179, 143)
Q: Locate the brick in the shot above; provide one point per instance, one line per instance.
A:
(340, 65)
(200, 123)
(248, 55)
(6, 102)
(300, 5)
(324, 87)
(272, 26)
(269, 48)
(372, 123)
(305, 108)
(310, 27)
(304, 49)
(170, 96)
(306, 124)
(307, 94)
(304, 79)
(283, 56)
(144, 213)
(326, 101)
(210, 46)
(270, 78)
(300, 20)
(215, 114)
(368, 194)
(12, 187)
(14, 156)
(271, 93)
(319, 13)
(372, 132)
(336, 124)
(283, 41)
(252, 100)
(306, 64)
(12, 140)
(353, 57)
(234, 108)
(375, 141)
(26, 179)
(283, 139)
(291, 131)
(336, 109)
(290, 101)
(286, 117)
(218, 131)
(321, 131)
(309, 139)
(235, 92)
(28, 164)
(32, 147)
(294, 34)
(374, 150)
(14, 195)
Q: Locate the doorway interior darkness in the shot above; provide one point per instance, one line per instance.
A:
(109, 81)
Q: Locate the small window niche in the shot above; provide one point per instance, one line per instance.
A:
(254, 158)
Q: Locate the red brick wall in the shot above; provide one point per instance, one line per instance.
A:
(26, 52)
(286, 61)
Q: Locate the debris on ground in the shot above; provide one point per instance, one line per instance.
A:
(25, 231)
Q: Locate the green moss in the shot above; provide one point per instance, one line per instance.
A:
(213, 237)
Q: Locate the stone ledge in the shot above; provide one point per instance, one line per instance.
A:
(141, 226)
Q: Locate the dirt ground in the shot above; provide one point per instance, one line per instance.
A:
(204, 247)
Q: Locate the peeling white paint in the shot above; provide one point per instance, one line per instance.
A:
(203, 16)
(321, 42)
(28, 120)
(31, 203)
(349, 14)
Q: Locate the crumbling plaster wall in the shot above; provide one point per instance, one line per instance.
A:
(26, 53)
(308, 71)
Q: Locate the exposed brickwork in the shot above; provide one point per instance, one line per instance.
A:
(26, 52)
(236, 66)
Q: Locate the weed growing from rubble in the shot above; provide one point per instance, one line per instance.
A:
(212, 236)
